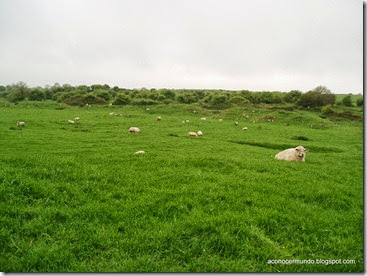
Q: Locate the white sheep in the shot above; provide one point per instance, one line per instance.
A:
(199, 133)
(71, 122)
(134, 129)
(112, 113)
(245, 128)
(140, 152)
(76, 118)
(187, 121)
(192, 133)
(203, 119)
(292, 154)
(20, 124)
(159, 118)
(236, 123)
(147, 109)
(220, 120)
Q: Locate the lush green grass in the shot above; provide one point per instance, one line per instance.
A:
(75, 197)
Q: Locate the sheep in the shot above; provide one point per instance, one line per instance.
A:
(112, 113)
(134, 129)
(220, 120)
(192, 133)
(147, 109)
(292, 154)
(203, 119)
(140, 152)
(159, 118)
(20, 124)
(236, 123)
(199, 133)
(245, 128)
(71, 122)
(76, 118)
(195, 112)
(187, 121)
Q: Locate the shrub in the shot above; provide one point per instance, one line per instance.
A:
(292, 96)
(37, 95)
(144, 102)
(121, 99)
(359, 102)
(239, 100)
(347, 100)
(18, 92)
(320, 96)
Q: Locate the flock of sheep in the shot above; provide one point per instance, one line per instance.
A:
(292, 154)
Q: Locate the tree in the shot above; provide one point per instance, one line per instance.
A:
(18, 92)
(347, 100)
(320, 96)
(37, 94)
(292, 96)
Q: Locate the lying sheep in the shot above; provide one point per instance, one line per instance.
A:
(140, 152)
(199, 133)
(203, 119)
(192, 133)
(245, 128)
(134, 129)
(76, 118)
(71, 122)
(112, 113)
(20, 124)
(292, 154)
(220, 120)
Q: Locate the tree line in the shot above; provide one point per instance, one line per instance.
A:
(104, 94)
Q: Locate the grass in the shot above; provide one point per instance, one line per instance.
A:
(75, 198)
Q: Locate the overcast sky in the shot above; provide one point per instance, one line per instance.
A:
(223, 44)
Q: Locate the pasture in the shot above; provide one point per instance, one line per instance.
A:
(75, 197)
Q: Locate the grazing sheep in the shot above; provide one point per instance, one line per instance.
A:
(187, 121)
(191, 133)
(134, 129)
(76, 118)
(159, 118)
(20, 124)
(236, 123)
(147, 109)
(220, 120)
(183, 122)
(71, 122)
(204, 119)
(292, 154)
(110, 104)
(140, 152)
(199, 133)
(245, 128)
(112, 113)
(195, 111)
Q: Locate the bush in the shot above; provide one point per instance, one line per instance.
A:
(144, 102)
(37, 95)
(292, 96)
(239, 100)
(359, 102)
(121, 99)
(347, 100)
(320, 96)
(18, 92)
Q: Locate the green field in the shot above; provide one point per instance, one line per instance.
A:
(75, 198)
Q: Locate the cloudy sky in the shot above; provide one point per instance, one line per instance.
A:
(228, 44)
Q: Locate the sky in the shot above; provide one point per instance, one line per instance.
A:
(267, 45)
